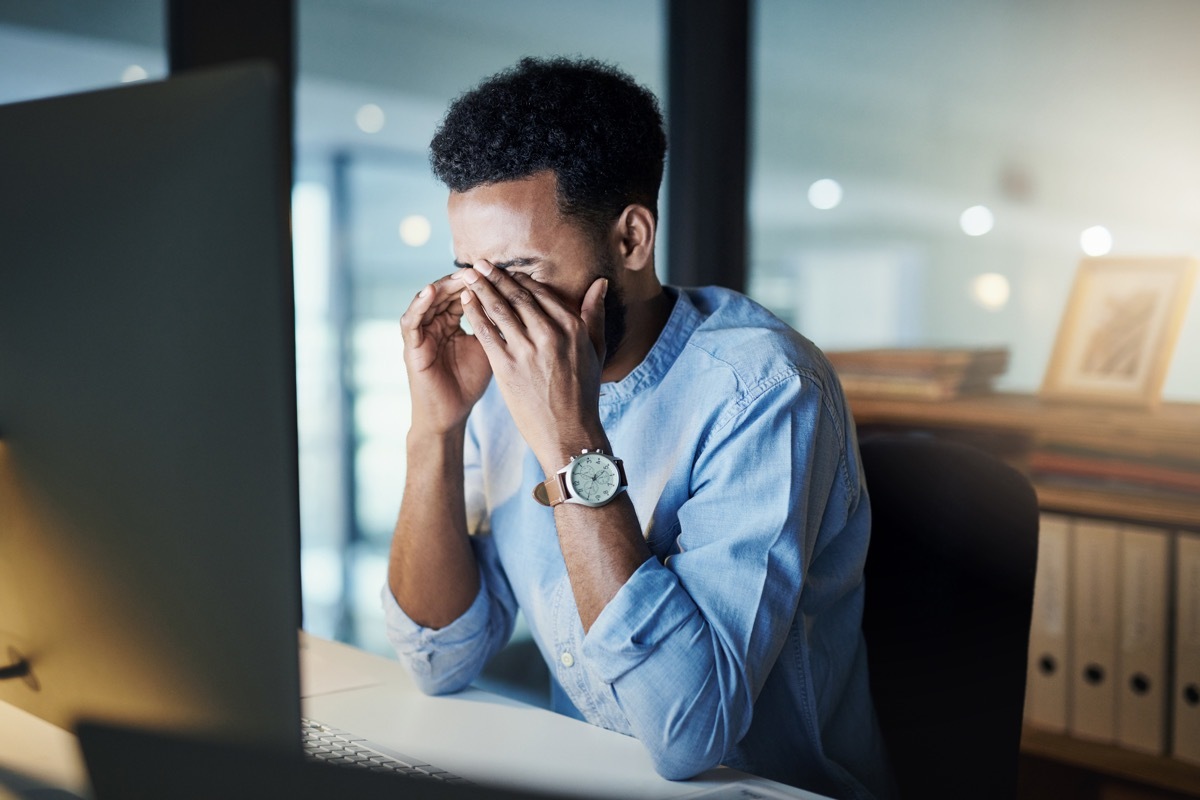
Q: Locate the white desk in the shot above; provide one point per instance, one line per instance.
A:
(482, 736)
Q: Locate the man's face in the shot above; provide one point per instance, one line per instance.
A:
(516, 226)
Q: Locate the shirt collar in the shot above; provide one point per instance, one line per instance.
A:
(675, 334)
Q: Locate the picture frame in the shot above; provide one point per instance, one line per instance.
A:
(1119, 330)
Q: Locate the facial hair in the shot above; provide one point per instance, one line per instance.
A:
(614, 304)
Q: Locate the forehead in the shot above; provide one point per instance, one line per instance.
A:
(519, 213)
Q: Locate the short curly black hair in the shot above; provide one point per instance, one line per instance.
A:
(599, 131)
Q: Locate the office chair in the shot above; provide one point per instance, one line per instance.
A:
(949, 594)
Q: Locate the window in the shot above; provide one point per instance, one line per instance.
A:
(42, 55)
(933, 172)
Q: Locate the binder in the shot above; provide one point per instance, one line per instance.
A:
(1142, 691)
(1185, 706)
(1092, 703)
(1049, 651)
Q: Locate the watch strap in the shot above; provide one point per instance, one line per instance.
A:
(552, 491)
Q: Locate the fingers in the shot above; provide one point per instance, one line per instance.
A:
(549, 302)
(507, 309)
(485, 331)
(411, 322)
(509, 305)
(435, 298)
(511, 309)
(435, 311)
(445, 295)
(517, 304)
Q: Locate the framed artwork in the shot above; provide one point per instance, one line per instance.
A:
(1119, 330)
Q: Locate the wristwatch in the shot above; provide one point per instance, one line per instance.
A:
(591, 479)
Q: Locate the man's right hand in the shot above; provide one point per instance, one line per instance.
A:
(448, 370)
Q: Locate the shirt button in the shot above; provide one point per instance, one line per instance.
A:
(567, 659)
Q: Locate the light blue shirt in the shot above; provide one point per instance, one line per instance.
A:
(739, 642)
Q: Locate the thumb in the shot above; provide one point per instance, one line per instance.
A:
(592, 312)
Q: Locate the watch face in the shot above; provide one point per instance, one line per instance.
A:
(593, 478)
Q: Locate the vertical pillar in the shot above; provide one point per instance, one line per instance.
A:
(341, 301)
(202, 33)
(707, 107)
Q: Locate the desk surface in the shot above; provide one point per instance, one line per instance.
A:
(479, 735)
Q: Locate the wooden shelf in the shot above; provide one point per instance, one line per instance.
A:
(1148, 509)
(1171, 427)
(1017, 423)
(1117, 762)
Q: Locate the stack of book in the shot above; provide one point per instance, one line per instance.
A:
(927, 373)
(1118, 463)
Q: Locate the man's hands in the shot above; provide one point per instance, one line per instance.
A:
(432, 570)
(448, 370)
(547, 358)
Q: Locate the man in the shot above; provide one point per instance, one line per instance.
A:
(704, 592)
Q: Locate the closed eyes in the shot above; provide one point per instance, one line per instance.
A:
(512, 262)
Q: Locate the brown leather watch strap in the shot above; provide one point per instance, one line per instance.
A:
(551, 492)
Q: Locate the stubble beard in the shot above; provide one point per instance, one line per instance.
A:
(614, 304)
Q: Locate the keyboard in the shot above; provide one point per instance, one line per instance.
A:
(335, 746)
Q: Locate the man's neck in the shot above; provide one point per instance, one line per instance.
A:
(644, 321)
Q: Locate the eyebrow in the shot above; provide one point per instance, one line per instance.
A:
(512, 262)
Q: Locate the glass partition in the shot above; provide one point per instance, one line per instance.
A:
(374, 80)
(932, 172)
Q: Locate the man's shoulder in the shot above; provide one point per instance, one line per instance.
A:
(736, 331)
(726, 315)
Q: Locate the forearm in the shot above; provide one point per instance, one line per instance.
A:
(432, 571)
(602, 547)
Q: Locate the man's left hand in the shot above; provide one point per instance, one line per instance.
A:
(546, 358)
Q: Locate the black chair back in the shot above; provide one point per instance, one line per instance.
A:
(949, 595)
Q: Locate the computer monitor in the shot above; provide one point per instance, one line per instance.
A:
(149, 530)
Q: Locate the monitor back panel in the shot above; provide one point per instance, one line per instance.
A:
(148, 508)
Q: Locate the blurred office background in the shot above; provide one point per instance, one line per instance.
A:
(927, 172)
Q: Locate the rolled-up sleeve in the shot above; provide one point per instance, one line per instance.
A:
(687, 644)
(444, 660)
(448, 659)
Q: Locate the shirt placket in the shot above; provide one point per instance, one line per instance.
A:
(567, 647)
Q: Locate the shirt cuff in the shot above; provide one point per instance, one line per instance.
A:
(643, 613)
(417, 645)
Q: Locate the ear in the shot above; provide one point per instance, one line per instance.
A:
(634, 234)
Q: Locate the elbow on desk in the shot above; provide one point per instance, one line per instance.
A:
(440, 688)
(690, 747)
(436, 683)
(679, 763)
(695, 734)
